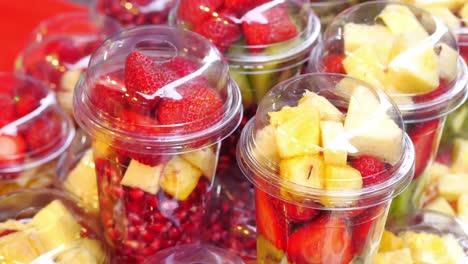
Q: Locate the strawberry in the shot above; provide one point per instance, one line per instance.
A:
(333, 63)
(424, 136)
(195, 12)
(270, 224)
(324, 240)
(242, 6)
(181, 66)
(12, 149)
(44, 132)
(295, 213)
(440, 90)
(7, 106)
(65, 50)
(26, 103)
(200, 107)
(267, 27)
(372, 170)
(361, 225)
(109, 99)
(222, 31)
(143, 79)
(444, 156)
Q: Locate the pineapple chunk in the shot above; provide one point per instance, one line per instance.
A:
(82, 251)
(453, 5)
(205, 159)
(180, 178)
(463, 13)
(334, 143)
(67, 83)
(358, 35)
(370, 129)
(436, 171)
(455, 252)
(56, 225)
(448, 62)
(446, 16)
(327, 110)
(399, 19)
(265, 145)
(297, 130)
(13, 225)
(451, 186)
(81, 181)
(400, 256)
(460, 155)
(101, 149)
(21, 247)
(390, 242)
(303, 170)
(342, 178)
(462, 207)
(426, 247)
(139, 175)
(441, 205)
(406, 41)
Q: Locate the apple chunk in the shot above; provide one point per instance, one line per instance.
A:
(139, 175)
(180, 178)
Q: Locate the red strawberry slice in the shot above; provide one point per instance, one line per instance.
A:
(12, 149)
(325, 240)
(295, 213)
(110, 98)
(44, 132)
(7, 106)
(242, 6)
(222, 31)
(269, 26)
(270, 224)
(26, 103)
(200, 107)
(196, 11)
(333, 63)
(441, 89)
(373, 170)
(361, 225)
(143, 79)
(424, 136)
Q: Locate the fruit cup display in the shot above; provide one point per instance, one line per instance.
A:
(409, 54)
(194, 254)
(59, 48)
(157, 102)
(34, 131)
(136, 12)
(45, 226)
(424, 237)
(326, 154)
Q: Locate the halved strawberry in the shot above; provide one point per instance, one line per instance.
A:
(196, 11)
(109, 99)
(44, 132)
(270, 223)
(182, 66)
(424, 136)
(7, 106)
(324, 240)
(373, 170)
(361, 225)
(222, 31)
(295, 213)
(26, 103)
(262, 27)
(333, 63)
(12, 149)
(242, 6)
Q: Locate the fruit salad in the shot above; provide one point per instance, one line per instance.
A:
(59, 49)
(157, 107)
(136, 12)
(411, 56)
(34, 131)
(326, 154)
(44, 226)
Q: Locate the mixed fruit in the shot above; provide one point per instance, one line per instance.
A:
(317, 145)
(52, 235)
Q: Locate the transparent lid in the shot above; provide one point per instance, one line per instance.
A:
(255, 32)
(404, 50)
(46, 226)
(194, 254)
(33, 128)
(157, 88)
(327, 140)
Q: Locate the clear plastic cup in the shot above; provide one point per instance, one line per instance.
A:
(136, 12)
(157, 102)
(34, 131)
(391, 61)
(202, 254)
(313, 204)
(46, 226)
(59, 48)
(327, 10)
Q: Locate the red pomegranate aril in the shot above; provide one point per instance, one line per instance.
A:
(136, 194)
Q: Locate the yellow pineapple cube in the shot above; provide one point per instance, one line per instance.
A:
(390, 242)
(399, 19)
(297, 130)
(460, 155)
(445, 15)
(342, 178)
(464, 12)
(462, 207)
(400, 256)
(180, 178)
(303, 170)
(205, 159)
(265, 145)
(441, 205)
(334, 142)
(327, 110)
(21, 247)
(426, 247)
(451, 185)
(139, 175)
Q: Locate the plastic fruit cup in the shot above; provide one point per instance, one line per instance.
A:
(316, 207)
(34, 131)
(393, 62)
(136, 12)
(195, 254)
(327, 10)
(45, 225)
(157, 102)
(59, 48)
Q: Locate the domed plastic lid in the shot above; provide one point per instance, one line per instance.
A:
(194, 254)
(402, 49)
(256, 32)
(33, 128)
(327, 140)
(157, 89)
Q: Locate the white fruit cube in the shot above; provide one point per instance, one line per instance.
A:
(303, 170)
(265, 145)
(334, 142)
(462, 207)
(180, 178)
(205, 159)
(399, 19)
(327, 110)
(297, 130)
(139, 175)
(441, 205)
(448, 62)
(460, 155)
(451, 186)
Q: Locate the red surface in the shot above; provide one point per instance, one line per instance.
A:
(19, 18)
